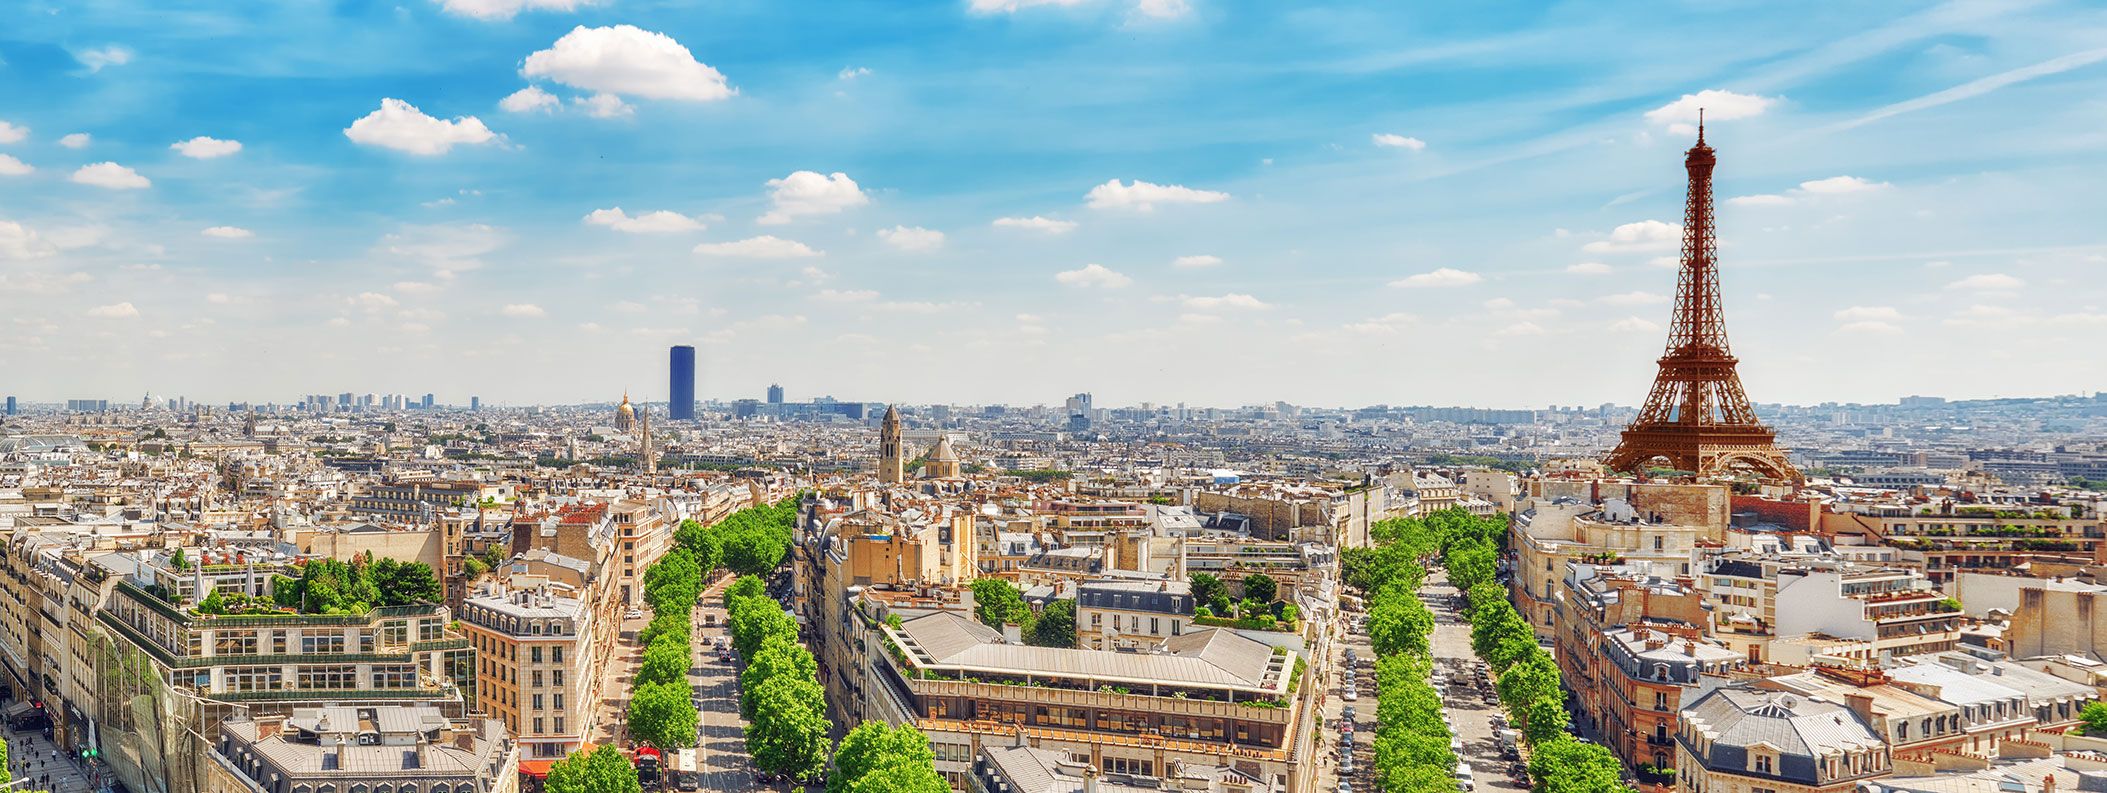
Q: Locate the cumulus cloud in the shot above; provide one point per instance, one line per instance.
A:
(206, 148)
(1633, 299)
(853, 72)
(372, 301)
(1233, 300)
(811, 193)
(523, 311)
(110, 175)
(1444, 277)
(415, 287)
(1524, 328)
(762, 247)
(1588, 268)
(401, 126)
(228, 232)
(77, 140)
(604, 106)
(13, 133)
(1868, 328)
(1036, 223)
(1634, 325)
(446, 248)
(1841, 184)
(1856, 313)
(1162, 9)
(845, 295)
(1140, 196)
(1394, 141)
(1645, 235)
(1718, 106)
(528, 100)
(1987, 282)
(507, 9)
(627, 60)
(1093, 275)
(22, 242)
(1013, 6)
(95, 58)
(114, 311)
(9, 166)
(659, 222)
(1196, 262)
(1763, 200)
(912, 238)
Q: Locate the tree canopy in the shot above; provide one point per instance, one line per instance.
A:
(661, 715)
(879, 758)
(603, 770)
(1055, 626)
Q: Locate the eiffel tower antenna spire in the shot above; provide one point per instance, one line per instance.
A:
(1696, 416)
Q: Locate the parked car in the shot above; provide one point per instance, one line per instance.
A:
(634, 614)
(1350, 695)
(1348, 714)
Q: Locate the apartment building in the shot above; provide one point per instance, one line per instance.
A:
(1893, 611)
(1025, 769)
(386, 749)
(1746, 740)
(1653, 529)
(916, 554)
(1631, 649)
(1131, 615)
(2057, 617)
(537, 647)
(1945, 538)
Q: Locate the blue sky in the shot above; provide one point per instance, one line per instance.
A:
(1012, 200)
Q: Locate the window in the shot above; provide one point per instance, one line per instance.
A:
(537, 725)
(534, 655)
(535, 677)
(537, 702)
(1763, 764)
(558, 675)
(312, 645)
(233, 643)
(559, 702)
(556, 654)
(559, 724)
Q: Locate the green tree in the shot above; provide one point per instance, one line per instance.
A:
(665, 661)
(997, 602)
(788, 734)
(872, 748)
(212, 604)
(1055, 626)
(777, 656)
(753, 620)
(744, 586)
(603, 770)
(1260, 587)
(901, 778)
(2094, 716)
(1564, 765)
(1210, 592)
(755, 549)
(179, 560)
(403, 583)
(661, 715)
(665, 625)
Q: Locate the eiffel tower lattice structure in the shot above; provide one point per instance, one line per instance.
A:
(1696, 417)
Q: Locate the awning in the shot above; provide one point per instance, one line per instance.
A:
(18, 709)
(539, 769)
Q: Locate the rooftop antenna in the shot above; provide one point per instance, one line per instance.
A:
(1700, 126)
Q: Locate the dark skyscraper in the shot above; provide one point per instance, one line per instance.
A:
(680, 394)
(10, 406)
(775, 395)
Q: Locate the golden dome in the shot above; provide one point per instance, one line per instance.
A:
(624, 410)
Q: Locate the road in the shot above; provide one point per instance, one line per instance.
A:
(722, 755)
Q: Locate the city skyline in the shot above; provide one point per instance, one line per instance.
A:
(1363, 205)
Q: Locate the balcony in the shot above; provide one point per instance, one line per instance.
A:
(1099, 699)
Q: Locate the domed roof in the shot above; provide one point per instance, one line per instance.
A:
(943, 452)
(624, 409)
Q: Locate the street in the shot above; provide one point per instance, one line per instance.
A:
(31, 755)
(721, 753)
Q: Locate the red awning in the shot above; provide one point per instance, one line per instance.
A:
(539, 769)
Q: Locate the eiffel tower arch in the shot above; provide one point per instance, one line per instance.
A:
(1696, 416)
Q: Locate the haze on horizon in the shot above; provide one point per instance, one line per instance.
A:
(995, 201)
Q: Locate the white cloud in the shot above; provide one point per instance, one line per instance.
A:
(220, 299)
(1196, 262)
(1856, 313)
(1635, 325)
(507, 9)
(22, 242)
(1444, 277)
(228, 232)
(372, 301)
(529, 99)
(912, 238)
(1012, 6)
(446, 248)
(659, 222)
(77, 140)
(1205, 303)
(1036, 223)
(1633, 299)
(762, 247)
(1869, 328)
(1763, 200)
(110, 175)
(1718, 106)
(1394, 141)
(845, 295)
(114, 311)
(1841, 184)
(1987, 282)
(1143, 196)
(9, 166)
(853, 72)
(401, 126)
(10, 133)
(1093, 275)
(629, 61)
(523, 311)
(415, 287)
(97, 57)
(1162, 9)
(206, 148)
(1521, 329)
(1588, 268)
(811, 193)
(1645, 235)
(604, 106)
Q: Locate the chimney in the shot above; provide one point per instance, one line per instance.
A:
(1861, 704)
(1090, 779)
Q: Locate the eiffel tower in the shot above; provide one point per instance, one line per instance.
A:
(1696, 417)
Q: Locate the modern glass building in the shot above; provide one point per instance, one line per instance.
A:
(680, 395)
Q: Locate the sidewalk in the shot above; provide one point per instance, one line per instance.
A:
(31, 754)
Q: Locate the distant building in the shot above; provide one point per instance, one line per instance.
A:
(1737, 740)
(87, 405)
(1130, 615)
(775, 394)
(475, 403)
(680, 393)
(892, 462)
(625, 415)
(10, 406)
